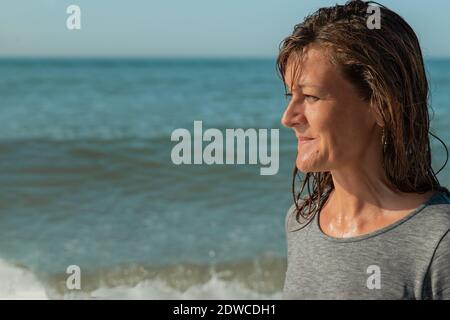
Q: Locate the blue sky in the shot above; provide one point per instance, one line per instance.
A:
(185, 28)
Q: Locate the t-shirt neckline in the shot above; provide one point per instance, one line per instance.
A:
(371, 234)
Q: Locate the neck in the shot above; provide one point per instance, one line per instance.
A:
(362, 187)
(359, 191)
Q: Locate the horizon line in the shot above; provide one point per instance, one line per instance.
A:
(157, 57)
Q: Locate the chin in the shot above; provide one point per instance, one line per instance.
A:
(305, 168)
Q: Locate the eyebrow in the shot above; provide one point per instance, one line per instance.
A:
(309, 85)
(306, 85)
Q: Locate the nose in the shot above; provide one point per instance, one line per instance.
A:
(293, 115)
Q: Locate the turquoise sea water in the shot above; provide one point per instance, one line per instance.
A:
(87, 178)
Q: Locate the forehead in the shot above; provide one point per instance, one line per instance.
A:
(312, 67)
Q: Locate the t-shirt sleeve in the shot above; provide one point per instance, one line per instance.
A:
(437, 281)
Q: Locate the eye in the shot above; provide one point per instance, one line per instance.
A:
(288, 96)
(311, 98)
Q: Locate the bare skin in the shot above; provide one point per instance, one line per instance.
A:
(346, 141)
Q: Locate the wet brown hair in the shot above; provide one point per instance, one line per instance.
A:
(386, 67)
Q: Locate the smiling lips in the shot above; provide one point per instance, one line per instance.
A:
(303, 140)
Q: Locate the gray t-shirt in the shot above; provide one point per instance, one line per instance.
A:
(409, 259)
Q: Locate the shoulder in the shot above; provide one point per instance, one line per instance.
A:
(437, 279)
(292, 222)
(426, 228)
(288, 219)
(436, 214)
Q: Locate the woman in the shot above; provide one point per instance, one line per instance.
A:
(375, 223)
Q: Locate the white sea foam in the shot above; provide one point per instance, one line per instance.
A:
(214, 288)
(19, 283)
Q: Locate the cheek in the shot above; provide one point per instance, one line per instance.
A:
(313, 156)
(326, 125)
(335, 135)
(344, 136)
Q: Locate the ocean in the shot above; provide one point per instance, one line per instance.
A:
(87, 178)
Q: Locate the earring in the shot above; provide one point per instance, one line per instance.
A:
(383, 140)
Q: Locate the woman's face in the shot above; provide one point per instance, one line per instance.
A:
(326, 108)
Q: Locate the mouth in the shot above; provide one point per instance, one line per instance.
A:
(302, 140)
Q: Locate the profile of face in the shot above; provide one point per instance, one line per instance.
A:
(334, 126)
